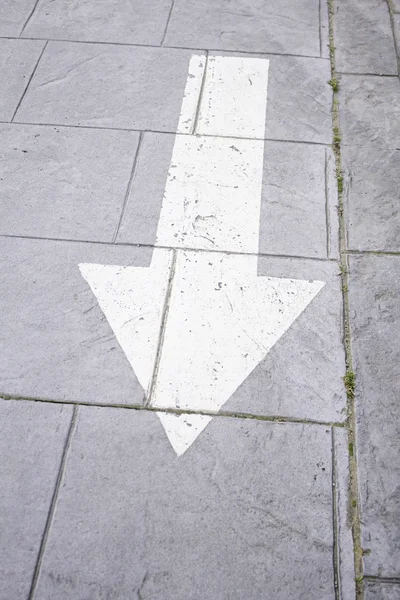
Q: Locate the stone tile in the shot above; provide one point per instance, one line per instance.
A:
(17, 61)
(373, 213)
(343, 522)
(128, 500)
(13, 16)
(64, 182)
(364, 38)
(381, 591)
(140, 22)
(107, 86)
(32, 438)
(256, 27)
(370, 110)
(57, 342)
(293, 210)
(375, 317)
(302, 374)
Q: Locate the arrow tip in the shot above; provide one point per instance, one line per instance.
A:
(182, 430)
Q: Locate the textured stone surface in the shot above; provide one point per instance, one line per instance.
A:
(181, 524)
(107, 86)
(364, 38)
(63, 182)
(301, 376)
(372, 196)
(32, 438)
(56, 340)
(13, 15)
(138, 22)
(17, 61)
(375, 321)
(370, 110)
(284, 26)
(381, 591)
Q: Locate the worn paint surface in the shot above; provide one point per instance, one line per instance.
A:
(191, 344)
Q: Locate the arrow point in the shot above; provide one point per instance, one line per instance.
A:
(182, 430)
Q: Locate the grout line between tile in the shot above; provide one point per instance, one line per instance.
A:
(177, 411)
(53, 503)
(378, 579)
(29, 82)
(167, 23)
(29, 17)
(327, 208)
(129, 187)
(198, 107)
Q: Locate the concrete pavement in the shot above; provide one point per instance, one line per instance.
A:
(198, 241)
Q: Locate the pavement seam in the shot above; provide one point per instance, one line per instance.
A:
(396, 45)
(29, 81)
(183, 248)
(335, 523)
(167, 23)
(200, 99)
(164, 319)
(195, 50)
(349, 376)
(376, 578)
(374, 252)
(129, 187)
(53, 503)
(29, 17)
(177, 411)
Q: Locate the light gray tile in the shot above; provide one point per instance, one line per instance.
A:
(372, 196)
(364, 38)
(64, 182)
(32, 438)
(17, 62)
(370, 110)
(138, 22)
(284, 26)
(243, 509)
(396, 5)
(56, 342)
(381, 591)
(13, 15)
(302, 374)
(375, 318)
(107, 86)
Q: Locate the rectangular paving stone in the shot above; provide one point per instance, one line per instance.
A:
(13, 16)
(32, 438)
(57, 343)
(381, 591)
(138, 22)
(294, 205)
(248, 505)
(18, 59)
(107, 86)
(284, 26)
(364, 38)
(370, 110)
(64, 182)
(374, 292)
(373, 213)
(301, 376)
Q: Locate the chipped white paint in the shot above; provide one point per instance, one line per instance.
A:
(222, 319)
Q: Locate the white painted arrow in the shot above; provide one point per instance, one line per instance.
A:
(196, 323)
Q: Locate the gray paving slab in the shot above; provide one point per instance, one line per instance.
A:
(32, 438)
(64, 182)
(372, 197)
(302, 374)
(324, 28)
(56, 341)
(381, 591)
(346, 579)
(13, 16)
(107, 86)
(396, 5)
(364, 38)
(294, 208)
(18, 59)
(374, 292)
(140, 22)
(370, 110)
(284, 26)
(222, 521)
